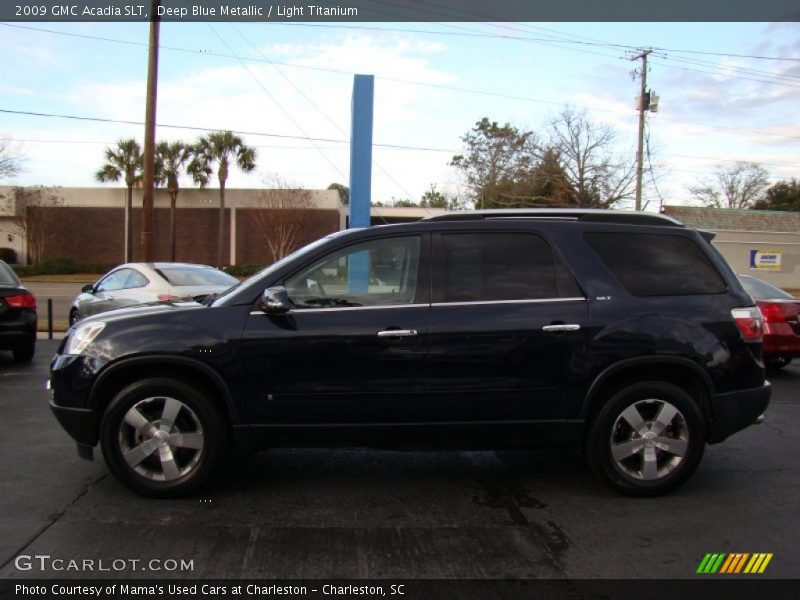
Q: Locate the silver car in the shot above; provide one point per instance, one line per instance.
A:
(139, 283)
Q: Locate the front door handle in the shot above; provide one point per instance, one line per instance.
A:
(562, 327)
(398, 333)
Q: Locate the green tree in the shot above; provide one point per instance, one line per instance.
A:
(784, 195)
(433, 198)
(344, 192)
(404, 203)
(739, 185)
(220, 148)
(495, 159)
(125, 161)
(170, 159)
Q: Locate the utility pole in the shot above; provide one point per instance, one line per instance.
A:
(148, 172)
(643, 106)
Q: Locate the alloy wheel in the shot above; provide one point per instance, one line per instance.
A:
(649, 439)
(161, 438)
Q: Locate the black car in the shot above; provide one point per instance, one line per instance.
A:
(17, 316)
(624, 334)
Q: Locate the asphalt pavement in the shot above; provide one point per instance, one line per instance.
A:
(362, 513)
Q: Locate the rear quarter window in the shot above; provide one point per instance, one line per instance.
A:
(657, 265)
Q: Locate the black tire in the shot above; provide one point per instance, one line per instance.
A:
(191, 467)
(659, 470)
(24, 352)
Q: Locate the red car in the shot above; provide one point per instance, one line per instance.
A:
(781, 321)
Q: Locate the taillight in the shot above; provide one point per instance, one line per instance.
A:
(21, 301)
(773, 313)
(167, 297)
(749, 321)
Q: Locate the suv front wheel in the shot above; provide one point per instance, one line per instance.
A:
(647, 439)
(162, 438)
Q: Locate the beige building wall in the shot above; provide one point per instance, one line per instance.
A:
(735, 246)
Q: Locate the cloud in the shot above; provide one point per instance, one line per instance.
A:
(276, 99)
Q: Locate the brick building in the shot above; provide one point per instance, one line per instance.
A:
(88, 224)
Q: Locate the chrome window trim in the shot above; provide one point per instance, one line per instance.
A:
(523, 301)
(341, 308)
(470, 303)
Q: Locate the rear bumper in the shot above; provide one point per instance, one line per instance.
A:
(18, 331)
(782, 342)
(735, 411)
(79, 423)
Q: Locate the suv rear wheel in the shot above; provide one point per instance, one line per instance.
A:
(162, 438)
(647, 439)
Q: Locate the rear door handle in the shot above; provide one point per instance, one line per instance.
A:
(398, 333)
(562, 327)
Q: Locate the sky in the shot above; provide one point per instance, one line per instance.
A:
(282, 83)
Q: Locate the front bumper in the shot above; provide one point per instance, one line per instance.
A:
(79, 423)
(735, 411)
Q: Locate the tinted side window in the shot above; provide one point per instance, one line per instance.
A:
(657, 265)
(501, 266)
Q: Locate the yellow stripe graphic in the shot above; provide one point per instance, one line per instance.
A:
(765, 563)
(749, 567)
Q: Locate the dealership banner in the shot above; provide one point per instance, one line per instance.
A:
(402, 10)
(765, 259)
(709, 586)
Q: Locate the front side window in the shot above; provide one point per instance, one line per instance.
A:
(114, 281)
(374, 273)
(486, 267)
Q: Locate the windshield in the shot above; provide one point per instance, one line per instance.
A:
(182, 276)
(761, 290)
(255, 279)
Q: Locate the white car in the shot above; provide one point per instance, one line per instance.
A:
(139, 283)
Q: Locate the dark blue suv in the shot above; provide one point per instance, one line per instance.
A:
(624, 334)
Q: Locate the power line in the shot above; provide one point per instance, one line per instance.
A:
(394, 79)
(316, 107)
(278, 104)
(237, 131)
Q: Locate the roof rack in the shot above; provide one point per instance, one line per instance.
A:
(594, 215)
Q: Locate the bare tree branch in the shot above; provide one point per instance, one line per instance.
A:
(284, 219)
(11, 158)
(739, 185)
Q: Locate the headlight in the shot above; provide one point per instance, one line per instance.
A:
(83, 335)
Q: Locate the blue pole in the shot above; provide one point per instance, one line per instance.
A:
(361, 150)
(360, 175)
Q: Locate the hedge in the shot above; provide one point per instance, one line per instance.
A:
(243, 270)
(61, 266)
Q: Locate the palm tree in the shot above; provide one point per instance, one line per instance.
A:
(169, 161)
(220, 147)
(124, 162)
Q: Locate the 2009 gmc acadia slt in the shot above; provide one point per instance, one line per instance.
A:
(625, 334)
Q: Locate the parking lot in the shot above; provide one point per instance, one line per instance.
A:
(359, 513)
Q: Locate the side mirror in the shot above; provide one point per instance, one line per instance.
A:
(275, 301)
(88, 289)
